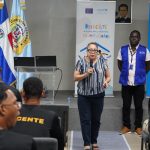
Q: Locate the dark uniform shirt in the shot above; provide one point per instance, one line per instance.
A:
(14, 141)
(123, 20)
(38, 122)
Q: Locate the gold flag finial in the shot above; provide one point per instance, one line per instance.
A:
(1, 4)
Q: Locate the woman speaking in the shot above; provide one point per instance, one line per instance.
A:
(93, 76)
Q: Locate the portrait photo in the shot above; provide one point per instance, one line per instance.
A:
(123, 11)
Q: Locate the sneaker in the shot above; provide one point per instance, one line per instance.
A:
(138, 131)
(125, 130)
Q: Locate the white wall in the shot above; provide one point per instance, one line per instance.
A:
(52, 25)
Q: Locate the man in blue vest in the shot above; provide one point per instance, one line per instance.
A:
(133, 63)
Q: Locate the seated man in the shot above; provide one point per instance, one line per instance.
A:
(9, 110)
(17, 94)
(34, 120)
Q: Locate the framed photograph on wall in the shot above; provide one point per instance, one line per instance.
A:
(123, 11)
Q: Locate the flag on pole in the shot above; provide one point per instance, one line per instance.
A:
(20, 32)
(6, 52)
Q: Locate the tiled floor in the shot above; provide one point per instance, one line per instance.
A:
(135, 141)
(132, 139)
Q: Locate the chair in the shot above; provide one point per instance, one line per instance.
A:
(46, 143)
(145, 135)
(145, 140)
(62, 111)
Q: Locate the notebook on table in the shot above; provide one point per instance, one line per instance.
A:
(24, 61)
(46, 61)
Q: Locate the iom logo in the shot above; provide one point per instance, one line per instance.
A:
(141, 52)
(89, 10)
(1, 33)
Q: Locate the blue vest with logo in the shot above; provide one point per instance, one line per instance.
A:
(140, 70)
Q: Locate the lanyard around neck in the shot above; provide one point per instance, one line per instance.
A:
(132, 53)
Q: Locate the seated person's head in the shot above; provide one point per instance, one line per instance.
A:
(123, 10)
(16, 93)
(32, 88)
(9, 108)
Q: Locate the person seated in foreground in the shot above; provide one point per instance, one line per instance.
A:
(33, 119)
(17, 94)
(9, 110)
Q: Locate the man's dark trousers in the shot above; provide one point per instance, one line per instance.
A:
(137, 92)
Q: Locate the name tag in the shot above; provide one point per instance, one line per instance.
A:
(131, 67)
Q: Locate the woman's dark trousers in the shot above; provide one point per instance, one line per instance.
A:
(90, 109)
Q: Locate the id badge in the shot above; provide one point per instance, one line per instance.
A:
(131, 67)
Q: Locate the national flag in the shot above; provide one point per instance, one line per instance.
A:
(6, 52)
(20, 32)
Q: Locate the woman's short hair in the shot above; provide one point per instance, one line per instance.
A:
(94, 43)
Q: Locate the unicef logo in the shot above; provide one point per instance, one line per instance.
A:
(1, 33)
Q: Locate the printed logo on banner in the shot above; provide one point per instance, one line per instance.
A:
(95, 30)
(95, 27)
(89, 10)
(101, 11)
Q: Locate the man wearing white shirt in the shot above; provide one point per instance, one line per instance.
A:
(133, 63)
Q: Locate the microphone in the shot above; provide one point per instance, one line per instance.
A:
(91, 63)
(101, 53)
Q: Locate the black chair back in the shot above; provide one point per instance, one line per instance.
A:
(46, 143)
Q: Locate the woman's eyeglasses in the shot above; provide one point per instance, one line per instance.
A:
(92, 50)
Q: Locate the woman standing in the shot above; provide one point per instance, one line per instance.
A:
(93, 76)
